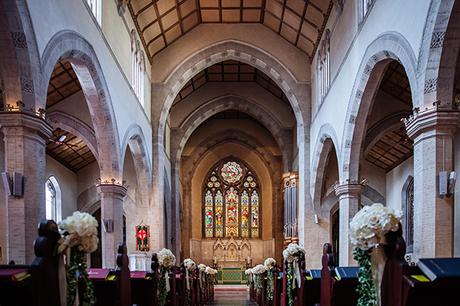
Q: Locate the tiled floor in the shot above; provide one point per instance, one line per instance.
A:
(231, 295)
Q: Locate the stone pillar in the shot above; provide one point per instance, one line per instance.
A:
(112, 196)
(349, 201)
(432, 131)
(290, 181)
(25, 137)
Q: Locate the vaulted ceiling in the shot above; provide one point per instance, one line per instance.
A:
(63, 83)
(161, 22)
(230, 71)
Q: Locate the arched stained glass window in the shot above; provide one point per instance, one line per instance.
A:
(231, 201)
(53, 199)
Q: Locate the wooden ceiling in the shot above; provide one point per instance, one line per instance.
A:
(230, 71)
(63, 83)
(161, 22)
(396, 84)
(72, 152)
(391, 150)
(394, 146)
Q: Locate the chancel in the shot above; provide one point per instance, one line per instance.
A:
(229, 152)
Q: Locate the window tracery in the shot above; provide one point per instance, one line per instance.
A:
(96, 9)
(323, 66)
(52, 199)
(231, 201)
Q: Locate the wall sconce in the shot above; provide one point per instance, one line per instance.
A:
(108, 225)
(13, 184)
(446, 183)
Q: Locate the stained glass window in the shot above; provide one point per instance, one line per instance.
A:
(231, 203)
(52, 199)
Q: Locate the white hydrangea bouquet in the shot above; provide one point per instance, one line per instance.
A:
(270, 265)
(202, 271)
(367, 234)
(79, 237)
(258, 276)
(292, 255)
(167, 260)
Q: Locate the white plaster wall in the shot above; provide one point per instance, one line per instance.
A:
(396, 179)
(50, 17)
(67, 181)
(76, 106)
(87, 177)
(385, 16)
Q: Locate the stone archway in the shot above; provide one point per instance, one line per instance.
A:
(71, 46)
(390, 46)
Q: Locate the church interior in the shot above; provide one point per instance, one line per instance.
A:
(229, 152)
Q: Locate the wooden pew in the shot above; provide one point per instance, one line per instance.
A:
(112, 287)
(144, 285)
(311, 290)
(336, 292)
(400, 288)
(37, 284)
(278, 287)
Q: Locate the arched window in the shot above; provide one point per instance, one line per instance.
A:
(231, 201)
(137, 68)
(53, 199)
(364, 7)
(408, 207)
(323, 66)
(96, 9)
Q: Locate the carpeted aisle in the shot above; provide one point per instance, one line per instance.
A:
(231, 295)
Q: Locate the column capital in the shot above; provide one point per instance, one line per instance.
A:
(33, 123)
(111, 189)
(290, 179)
(348, 189)
(432, 118)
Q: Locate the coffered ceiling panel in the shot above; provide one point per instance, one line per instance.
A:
(160, 23)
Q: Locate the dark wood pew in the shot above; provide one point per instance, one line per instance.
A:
(336, 292)
(312, 288)
(37, 284)
(403, 285)
(144, 285)
(112, 287)
(278, 287)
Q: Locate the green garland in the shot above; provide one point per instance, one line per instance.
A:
(366, 290)
(270, 285)
(76, 270)
(162, 293)
(290, 283)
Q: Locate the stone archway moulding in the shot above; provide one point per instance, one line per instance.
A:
(71, 46)
(327, 141)
(231, 102)
(387, 47)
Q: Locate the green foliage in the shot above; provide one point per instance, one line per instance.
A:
(290, 279)
(76, 270)
(162, 293)
(367, 295)
(270, 285)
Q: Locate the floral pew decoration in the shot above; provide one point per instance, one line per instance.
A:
(202, 274)
(167, 260)
(79, 237)
(292, 255)
(270, 265)
(211, 274)
(367, 234)
(189, 266)
(248, 274)
(258, 277)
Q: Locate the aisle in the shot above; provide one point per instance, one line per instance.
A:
(231, 295)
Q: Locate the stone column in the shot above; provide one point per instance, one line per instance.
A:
(432, 131)
(25, 137)
(349, 201)
(112, 196)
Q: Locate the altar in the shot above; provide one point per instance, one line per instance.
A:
(232, 253)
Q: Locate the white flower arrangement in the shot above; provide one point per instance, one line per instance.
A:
(248, 272)
(259, 269)
(79, 230)
(210, 271)
(370, 225)
(292, 252)
(269, 263)
(202, 267)
(189, 264)
(166, 258)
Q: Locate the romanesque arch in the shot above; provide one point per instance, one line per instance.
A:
(71, 46)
